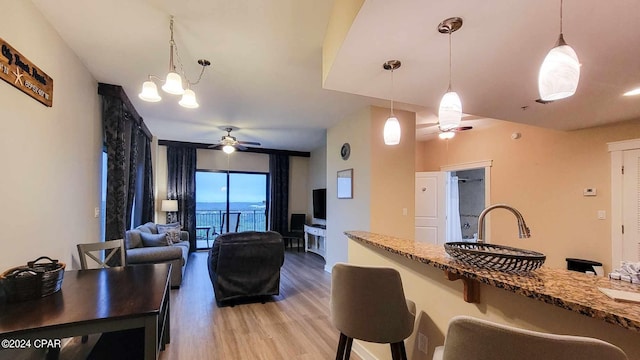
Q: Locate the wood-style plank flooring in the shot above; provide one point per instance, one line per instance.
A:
(295, 325)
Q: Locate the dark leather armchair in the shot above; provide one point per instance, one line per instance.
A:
(246, 264)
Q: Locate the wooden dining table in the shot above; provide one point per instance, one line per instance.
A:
(95, 301)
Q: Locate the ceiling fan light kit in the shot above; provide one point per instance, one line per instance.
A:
(173, 81)
(392, 131)
(230, 144)
(560, 71)
(446, 135)
(450, 110)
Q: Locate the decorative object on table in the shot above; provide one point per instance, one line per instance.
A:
(392, 131)
(495, 257)
(33, 281)
(628, 271)
(345, 151)
(173, 82)
(345, 184)
(22, 74)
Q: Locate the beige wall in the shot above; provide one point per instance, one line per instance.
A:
(392, 176)
(342, 16)
(51, 160)
(543, 175)
(438, 300)
(299, 186)
(348, 214)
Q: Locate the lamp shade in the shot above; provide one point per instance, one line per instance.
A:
(149, 92)
(228, 149)
(392, 131)
(173, 84)
(169, 205)
(559, 73)
(189, 100)
(450, 111)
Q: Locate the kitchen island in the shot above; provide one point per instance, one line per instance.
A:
(538, 300)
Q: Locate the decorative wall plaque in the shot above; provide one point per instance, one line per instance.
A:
(18, 71)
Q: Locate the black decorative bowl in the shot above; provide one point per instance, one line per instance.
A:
(495, 257)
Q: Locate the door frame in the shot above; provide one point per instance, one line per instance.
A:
(616, 149)
(486, 164)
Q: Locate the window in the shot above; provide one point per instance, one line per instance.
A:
(220, 196)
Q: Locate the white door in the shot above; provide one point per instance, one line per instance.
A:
(631, 206)
(430, 210)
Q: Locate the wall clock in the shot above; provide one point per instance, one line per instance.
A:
(345, 151)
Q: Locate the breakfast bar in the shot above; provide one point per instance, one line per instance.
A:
(536, 300)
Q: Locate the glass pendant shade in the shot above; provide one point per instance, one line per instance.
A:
(446, 135)
(228, 149)
(189, 100)
(559, 73)
(149, 92)
(173, 84)
(450, 111)
(392, 131)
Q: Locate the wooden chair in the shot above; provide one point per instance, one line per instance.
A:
(110, 249)
(469, 338)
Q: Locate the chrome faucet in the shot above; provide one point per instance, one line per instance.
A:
(523, 230)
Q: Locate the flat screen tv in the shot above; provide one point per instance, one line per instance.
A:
(320, 204)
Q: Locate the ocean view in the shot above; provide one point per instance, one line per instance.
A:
(233, 206)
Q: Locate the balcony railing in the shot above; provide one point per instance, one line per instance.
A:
(255, 220)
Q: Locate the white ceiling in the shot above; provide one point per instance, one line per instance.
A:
(265, 76)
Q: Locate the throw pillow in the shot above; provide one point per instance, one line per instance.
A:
(173, 236)
(172, 230)
(153, 240)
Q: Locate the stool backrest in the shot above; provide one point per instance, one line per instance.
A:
(368, 303)
(469, 338)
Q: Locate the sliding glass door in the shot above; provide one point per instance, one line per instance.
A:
(228, 202)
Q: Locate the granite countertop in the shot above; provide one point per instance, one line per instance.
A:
(570, 290)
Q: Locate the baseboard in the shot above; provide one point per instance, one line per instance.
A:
(362, 351)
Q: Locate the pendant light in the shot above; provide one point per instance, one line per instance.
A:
(173, 81)
(392, 131)
(560, 70)
(450, 111)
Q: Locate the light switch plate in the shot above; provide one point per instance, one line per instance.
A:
(589, 192)
(602, 214)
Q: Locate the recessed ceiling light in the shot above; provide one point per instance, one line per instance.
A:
(633, 92)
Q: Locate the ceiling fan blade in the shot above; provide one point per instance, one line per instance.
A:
(240, 147)
(463, 128)
(214, 146)
(249, 143)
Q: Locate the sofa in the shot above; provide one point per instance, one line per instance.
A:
(246, 265)
(143, 245)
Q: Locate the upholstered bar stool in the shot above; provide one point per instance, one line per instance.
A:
(469, 338)
(368, 303)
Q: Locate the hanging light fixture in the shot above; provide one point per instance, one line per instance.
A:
(560, 70)
(392, 131)
(228, 149)
(173, 81)
(446, 135)
(450, 111)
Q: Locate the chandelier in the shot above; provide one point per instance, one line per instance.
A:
(172, 84)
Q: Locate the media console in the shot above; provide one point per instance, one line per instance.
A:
(315, 239)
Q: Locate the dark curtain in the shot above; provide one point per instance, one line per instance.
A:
(181, 186)
(148, 202)
(129, 175)
(117, 135)
(279, 181)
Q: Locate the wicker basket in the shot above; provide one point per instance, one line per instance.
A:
(33, 281)
(496, 257)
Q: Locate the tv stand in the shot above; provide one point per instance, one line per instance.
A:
(315, 239)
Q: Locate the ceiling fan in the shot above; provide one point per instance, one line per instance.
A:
(230, 144)
(434, 128)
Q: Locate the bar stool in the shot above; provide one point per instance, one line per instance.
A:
(469, 338)
(368, 303)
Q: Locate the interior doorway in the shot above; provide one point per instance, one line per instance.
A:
(466, 197)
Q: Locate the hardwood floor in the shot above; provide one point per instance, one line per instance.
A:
(294, 325)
